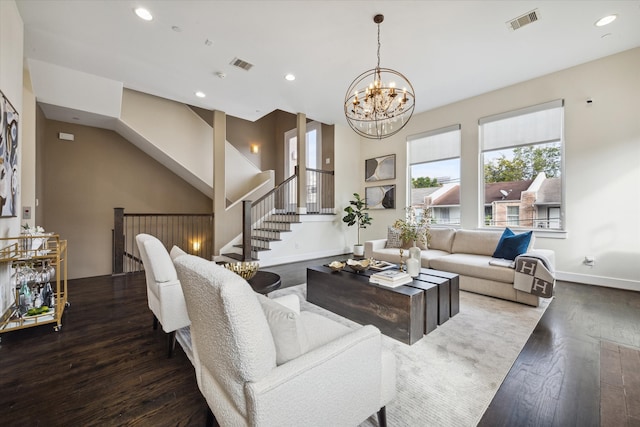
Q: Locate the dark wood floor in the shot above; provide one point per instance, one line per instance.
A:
(108, 367)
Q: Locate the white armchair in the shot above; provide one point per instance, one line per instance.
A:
(259, 363)
(164, 293)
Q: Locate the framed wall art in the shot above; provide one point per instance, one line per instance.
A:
(8, 157)
(380, 168)
(381, 197)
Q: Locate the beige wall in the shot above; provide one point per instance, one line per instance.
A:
(83, 180)
(263, 132)
(602, 163)
(243, 133)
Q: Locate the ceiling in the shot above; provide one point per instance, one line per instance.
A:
(449, 50)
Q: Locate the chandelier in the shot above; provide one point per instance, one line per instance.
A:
(380, 101)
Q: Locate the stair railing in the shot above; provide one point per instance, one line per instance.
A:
(272, 214)
(193, 233)
(268, 216)
(320, 191)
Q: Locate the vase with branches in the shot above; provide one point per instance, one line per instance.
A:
(413, 228)
(356, 214)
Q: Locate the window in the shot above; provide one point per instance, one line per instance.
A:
(313, 161)
(434, 178)
(522, 167)
(513, 215)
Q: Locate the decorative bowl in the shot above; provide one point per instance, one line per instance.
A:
(245, 269)
(336, 266)
(358, 265)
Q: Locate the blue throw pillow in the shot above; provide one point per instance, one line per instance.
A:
(511, 245)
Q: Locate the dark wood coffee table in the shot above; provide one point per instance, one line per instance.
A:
(442, 296)
(397, 312)
(264, 282)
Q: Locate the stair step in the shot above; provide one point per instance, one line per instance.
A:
(253, 248)
(273, 230)
(237, 257)
(281, 222)
(265, 239)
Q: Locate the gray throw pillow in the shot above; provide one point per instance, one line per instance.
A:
(393, 238)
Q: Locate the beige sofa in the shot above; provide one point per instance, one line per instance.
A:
(467, 253)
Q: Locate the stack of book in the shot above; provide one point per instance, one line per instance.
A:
(391, 278)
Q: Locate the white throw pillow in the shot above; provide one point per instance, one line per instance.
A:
(176, 252)
(289, 335)
(161, 264)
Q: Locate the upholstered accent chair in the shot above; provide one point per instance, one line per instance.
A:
(164, 293)
(262, 362)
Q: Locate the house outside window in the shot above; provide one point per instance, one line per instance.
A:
(513, 215)
(522, 167)
(434, 178)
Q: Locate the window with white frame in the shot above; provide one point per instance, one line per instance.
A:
(522, 167)
(434, 174)
(513, 215)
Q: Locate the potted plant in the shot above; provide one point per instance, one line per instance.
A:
(357, 215)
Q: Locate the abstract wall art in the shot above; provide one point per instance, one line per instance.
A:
(8, 158)
(381, 197)
(380, 168)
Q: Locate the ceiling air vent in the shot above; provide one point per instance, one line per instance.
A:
(523, 20)
(241, 64)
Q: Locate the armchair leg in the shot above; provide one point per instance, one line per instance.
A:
(172, 343)
(382, 417)
(211, 419)
(155, 323)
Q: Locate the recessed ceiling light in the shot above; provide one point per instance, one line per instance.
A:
(290, 77)
(143, 13)
(606, 20)
(200, 94)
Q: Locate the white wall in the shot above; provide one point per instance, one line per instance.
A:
(184, 139)
(602, 164)
(11, 52)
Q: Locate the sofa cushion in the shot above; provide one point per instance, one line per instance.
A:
(441, 238)
(428, 255)
(160, 262)
(289, 335)
(511, 245)
(477, 242)
(473, 266)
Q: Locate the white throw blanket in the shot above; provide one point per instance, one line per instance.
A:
(534, 274)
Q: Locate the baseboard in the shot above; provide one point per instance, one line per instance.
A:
(608, 282)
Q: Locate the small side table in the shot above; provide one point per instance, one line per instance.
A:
(264, 282)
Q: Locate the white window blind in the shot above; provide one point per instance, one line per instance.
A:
(532, 125)
(438, 144)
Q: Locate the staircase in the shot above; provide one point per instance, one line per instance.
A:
(270, 230)
(269, 219)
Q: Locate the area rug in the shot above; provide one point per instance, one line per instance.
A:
(450, 376)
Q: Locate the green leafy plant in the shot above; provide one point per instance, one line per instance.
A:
(357, 214)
